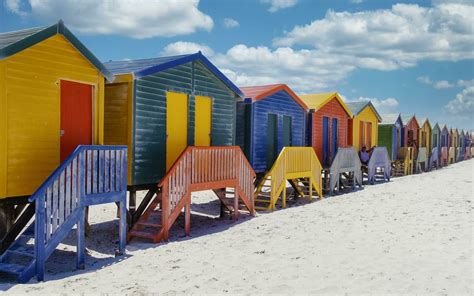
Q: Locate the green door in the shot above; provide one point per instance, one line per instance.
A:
(287, 136)
(272, 138)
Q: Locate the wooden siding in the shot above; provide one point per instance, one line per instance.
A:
(149, 129)
(32, 94)
(280, 104)
(411, 126)
(118, 119)
(333, 109)
(386, 139)
(366, 116)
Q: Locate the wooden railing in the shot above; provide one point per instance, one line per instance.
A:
(451, 155)
(293, 163)
(444, 156)
(205, 168)
(90, 175)
(407, 155)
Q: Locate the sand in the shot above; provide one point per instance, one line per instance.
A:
(413, 235)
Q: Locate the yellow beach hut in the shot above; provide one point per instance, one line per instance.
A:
(363, 126)
(51, 100)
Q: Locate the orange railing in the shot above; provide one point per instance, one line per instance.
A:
(205, 168)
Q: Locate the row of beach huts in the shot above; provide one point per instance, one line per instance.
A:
(76, 132)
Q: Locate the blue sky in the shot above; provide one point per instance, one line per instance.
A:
(406, 56)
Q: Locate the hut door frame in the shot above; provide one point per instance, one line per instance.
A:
(287, 131)
(325, 135)
(200, 121)
(272, 139)
(176, 126)
(62, 99)
(334, 137)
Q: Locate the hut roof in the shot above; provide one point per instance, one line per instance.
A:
(256, 93)
(145, 67)
(16, 41)
(316, 101)
(390, 119)
(423, 120)
(406, 118)
(359, 106)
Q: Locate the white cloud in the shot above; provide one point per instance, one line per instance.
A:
(303, 70)
(442, 84)
(357, 1)
(276, 5)
(231, 23)
(180, 47)
(14, 6)
(136, 19)
(383, 106)
(389, 39)
(463, 104)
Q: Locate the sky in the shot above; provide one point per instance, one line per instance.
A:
(413, 57)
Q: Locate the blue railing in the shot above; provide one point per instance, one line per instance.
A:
(90, 175)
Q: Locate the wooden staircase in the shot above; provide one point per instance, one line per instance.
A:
(90, 175)
(298, 166)
(222, 169)
(403, 166)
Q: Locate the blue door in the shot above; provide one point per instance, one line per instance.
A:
(402, 138)
(325, 141)
(334, 142)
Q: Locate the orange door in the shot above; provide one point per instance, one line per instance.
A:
(76, 116)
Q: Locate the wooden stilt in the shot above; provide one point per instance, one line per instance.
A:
(187, 213)
(81, 240)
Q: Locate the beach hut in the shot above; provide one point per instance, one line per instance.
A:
(271, 117)
(159, 106)
(410, 131)
(327, 124)
(363, 126)
(424, 145)
(436, 147)
(454, 144)
(445, 145)
(390, 134)
(177, 116)
(49, 77)
(461, 147)
(51, 117)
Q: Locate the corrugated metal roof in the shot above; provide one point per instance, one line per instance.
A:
(261, 91)
(390, 118)
(134, 66)
(145, 67)
(359, 106)
(316, 101)
(9, 38)
(16, 41)
(406, 118)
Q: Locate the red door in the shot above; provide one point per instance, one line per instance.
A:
(76, 116)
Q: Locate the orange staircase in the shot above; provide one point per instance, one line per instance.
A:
(222, 169)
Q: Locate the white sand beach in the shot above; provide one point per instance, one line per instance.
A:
(413, 235)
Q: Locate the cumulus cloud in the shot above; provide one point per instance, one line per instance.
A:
(389, 39)
(357, 1)
(180, 47)
(15, 7)
(463, 104)
(231, 23)
(442, 84)
(136, 19)
(276, 5)
(383, 106)
(305, 70)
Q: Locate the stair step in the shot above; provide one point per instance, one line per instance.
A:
(22, 250)
(12, 268)
(263, 200)
(261, 208)
(142, 234)
(149, 224)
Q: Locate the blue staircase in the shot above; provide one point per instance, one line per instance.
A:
(91, 175)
